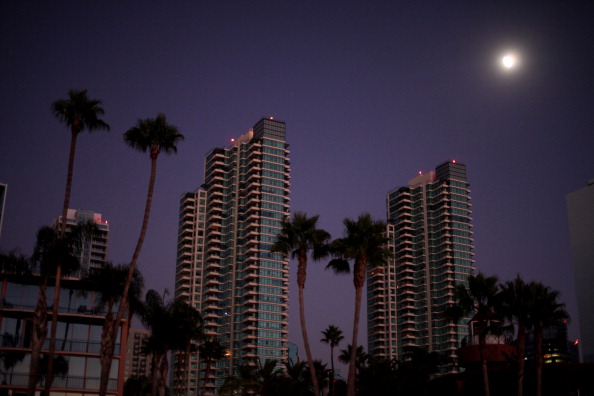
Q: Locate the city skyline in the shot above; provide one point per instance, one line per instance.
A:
(371, 94)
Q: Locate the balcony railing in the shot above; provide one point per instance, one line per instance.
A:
(66, 382)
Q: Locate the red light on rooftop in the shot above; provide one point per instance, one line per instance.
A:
(272, 118)
(576, 342)
(453, 161)
(232, 140)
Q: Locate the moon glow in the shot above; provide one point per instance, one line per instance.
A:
(509, 61)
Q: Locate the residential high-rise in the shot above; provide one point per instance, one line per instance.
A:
(138, 362)
(580, 209)
(430, 235)
(224, 264)
(93, 252)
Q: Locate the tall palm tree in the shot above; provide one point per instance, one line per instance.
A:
(154, 135)
(297, 238)
(478, 298)
(364, 243)
(49, 250)
(332, 336)
(210, 351)
(546, 311)
(515, 304)
(79, 113)
(108, 282)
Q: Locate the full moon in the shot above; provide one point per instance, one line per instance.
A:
(509, 61)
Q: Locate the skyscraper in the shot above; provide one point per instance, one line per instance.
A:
(94, 249)
(224, 265)
(580, 209)
(430, 235)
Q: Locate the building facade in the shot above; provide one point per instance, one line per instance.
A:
(78, 340)
(430, 236)
(580, 210)
(224, 265)
(138, 362)
(93, 252)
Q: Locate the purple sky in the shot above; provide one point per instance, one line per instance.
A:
(372, 92)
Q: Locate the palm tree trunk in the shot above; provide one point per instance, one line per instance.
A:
(155, 372)
(163, 372)
(107, 349)
(485, 369)
(520, 360)
(206, 376)
(538, 358)
(124, 300)
(331, 385)
(312, 369)
(54, 326)
(352, 368)
(38, 338)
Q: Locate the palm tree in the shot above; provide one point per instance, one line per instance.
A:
(546, 311)
(154, 135)
(252, 379)
(187, 328)
(361, 357)
(365, 244)
(332, 336)
(49, 250)
(415, 372)
(108, 283)
(14, 262)
(515, 304)
(78, 113)
(297, 238)
(210, 351)
(480, 298)
(296, 374)
(61, 367)
(173, 326)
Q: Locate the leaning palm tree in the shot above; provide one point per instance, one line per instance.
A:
(364, 243)
(78, 113)
(332, 336)
(154, 135)
(479, 298)
(107, 282)
(515, 304)
(298, 237)
(49, 250)
(546, 311)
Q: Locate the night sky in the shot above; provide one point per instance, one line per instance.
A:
(372, 93)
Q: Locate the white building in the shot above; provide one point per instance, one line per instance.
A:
(580, 209)
(430, 236)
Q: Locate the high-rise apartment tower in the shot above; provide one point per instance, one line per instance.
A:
(430, 235)
(93, 253)
(580, 210)
(224, 265)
